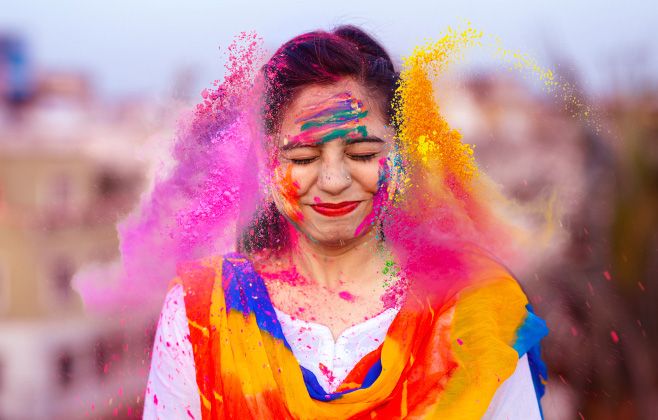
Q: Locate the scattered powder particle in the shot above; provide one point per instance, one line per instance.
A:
(607, 276)
(460, 341)
(395, 293)
(326, 372)
(614, 336)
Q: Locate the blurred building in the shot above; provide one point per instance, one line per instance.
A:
(596, 286)
(68, 172)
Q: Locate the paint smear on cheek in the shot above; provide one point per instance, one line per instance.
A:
(379, 199)
(290, 192)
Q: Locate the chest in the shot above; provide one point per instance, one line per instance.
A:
(336, 309)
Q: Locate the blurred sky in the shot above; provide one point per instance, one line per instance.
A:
(135, 47)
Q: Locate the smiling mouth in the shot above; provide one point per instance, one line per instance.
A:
(335, 209)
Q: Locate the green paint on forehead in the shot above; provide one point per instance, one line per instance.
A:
(339, 116)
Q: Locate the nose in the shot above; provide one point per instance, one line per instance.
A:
(334, 177)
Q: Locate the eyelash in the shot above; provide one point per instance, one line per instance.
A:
(362, 158)
(303, 161)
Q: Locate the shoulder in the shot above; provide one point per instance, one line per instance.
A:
(494, 301)
(173, 319)
(187, 269)
(171, 390)
(490, 286)
(197, 278)
(197, 275)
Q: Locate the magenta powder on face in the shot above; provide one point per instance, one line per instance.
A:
(347, 296)
(379, 199)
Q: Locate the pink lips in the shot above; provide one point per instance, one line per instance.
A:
(335, 209)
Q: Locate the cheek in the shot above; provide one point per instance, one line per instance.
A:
(294, 180)
(305, 177)
(368, 174)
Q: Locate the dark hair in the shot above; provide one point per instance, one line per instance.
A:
(316, 58)
(320, 58)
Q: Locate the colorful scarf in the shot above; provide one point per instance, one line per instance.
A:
(437, 361)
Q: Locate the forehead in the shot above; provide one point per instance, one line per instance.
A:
(316, 96)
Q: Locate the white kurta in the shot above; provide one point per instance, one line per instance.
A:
(172, 392)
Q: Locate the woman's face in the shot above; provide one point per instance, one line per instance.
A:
(330, 162)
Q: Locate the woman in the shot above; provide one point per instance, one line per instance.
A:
(353, 294)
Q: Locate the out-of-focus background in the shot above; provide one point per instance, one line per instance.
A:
(89, 96)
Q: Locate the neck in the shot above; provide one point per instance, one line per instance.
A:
(332, 266)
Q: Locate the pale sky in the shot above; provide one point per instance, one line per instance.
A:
(135, 47)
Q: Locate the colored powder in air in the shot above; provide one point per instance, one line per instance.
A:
(448, 219)
(423, 132)
(210, 195)
(437, 213)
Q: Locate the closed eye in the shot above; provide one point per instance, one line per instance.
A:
(306, 161)
(363, 157)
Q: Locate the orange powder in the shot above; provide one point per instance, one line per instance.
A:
(288, 189)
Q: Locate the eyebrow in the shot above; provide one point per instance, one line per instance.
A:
(348, 141)
(369, 139)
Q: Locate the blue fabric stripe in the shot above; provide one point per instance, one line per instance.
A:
(245, 291)
(373, 374)
(314, 388)
(528, 338)
(530, 332)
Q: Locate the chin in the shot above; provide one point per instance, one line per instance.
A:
(335, 236)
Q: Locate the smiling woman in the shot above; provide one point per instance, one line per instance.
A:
(352, 294)
(333, 147)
